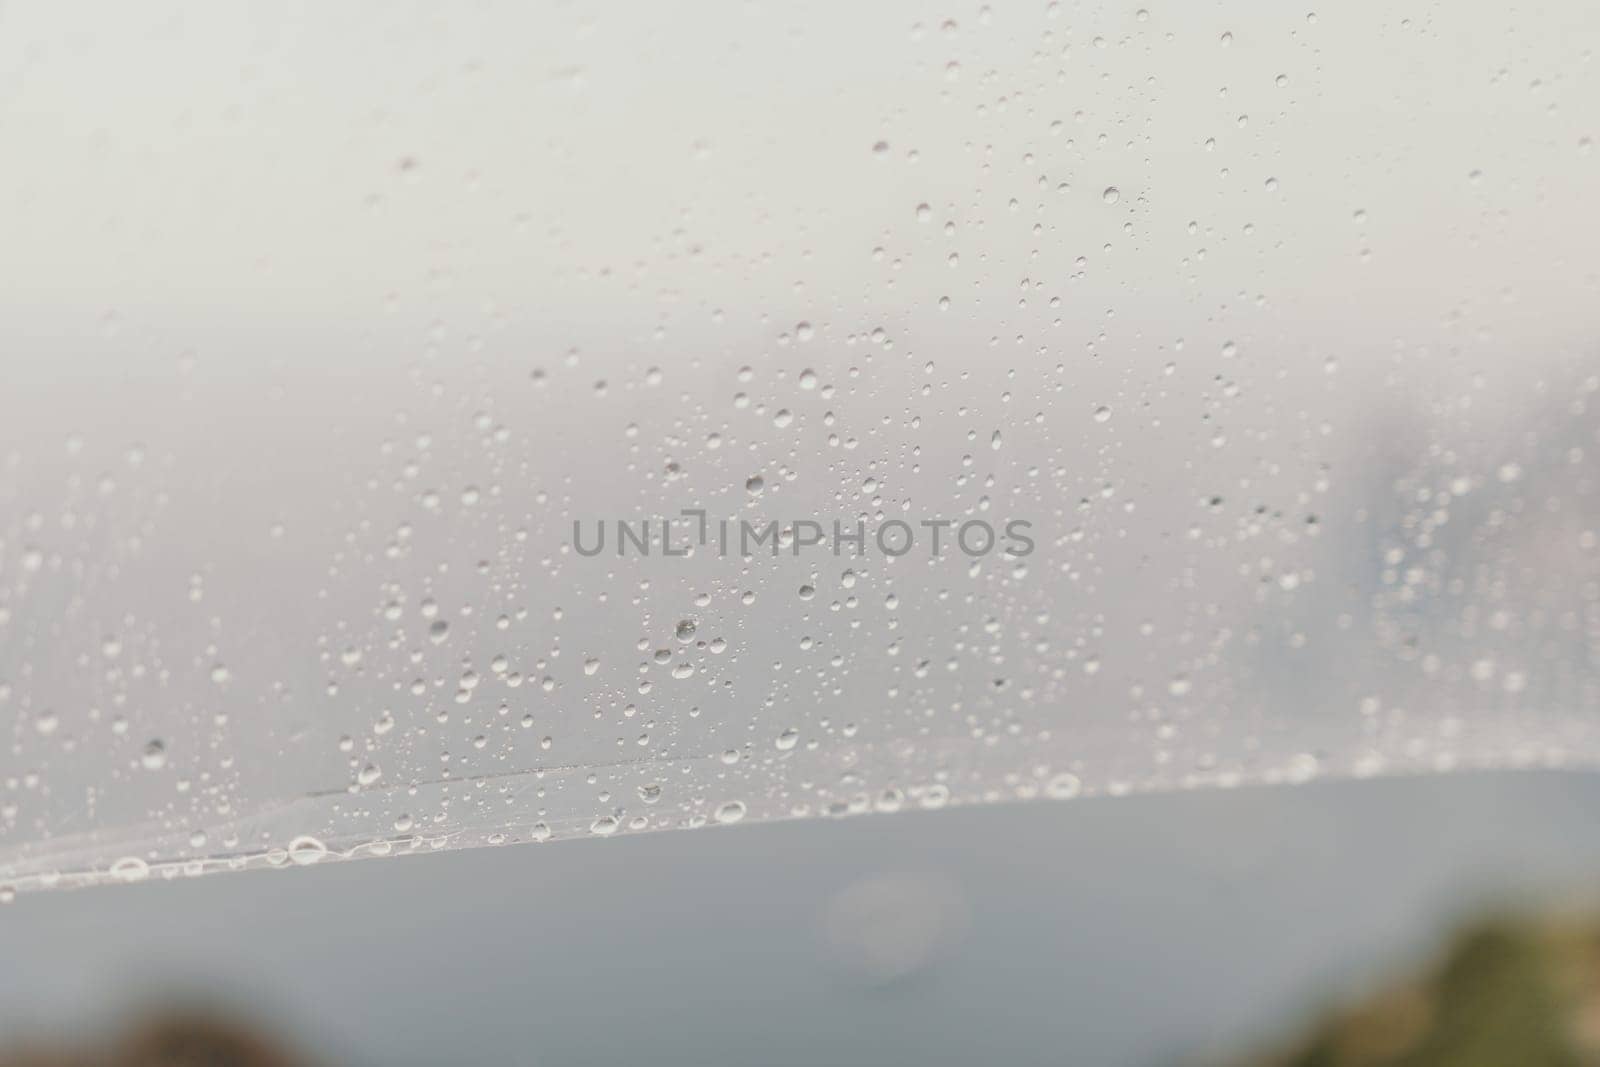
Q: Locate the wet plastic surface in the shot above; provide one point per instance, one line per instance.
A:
(1273, 334)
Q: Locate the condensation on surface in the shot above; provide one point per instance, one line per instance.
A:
(324, 325)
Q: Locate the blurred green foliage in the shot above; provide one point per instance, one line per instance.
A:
(1505, 993)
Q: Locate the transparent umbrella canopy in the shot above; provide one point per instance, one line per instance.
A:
(425, 430)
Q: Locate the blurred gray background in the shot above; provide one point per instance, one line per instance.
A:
(1127, 931)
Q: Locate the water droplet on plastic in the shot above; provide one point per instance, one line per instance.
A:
(1064, 786)
(130, 869)
(306, 850)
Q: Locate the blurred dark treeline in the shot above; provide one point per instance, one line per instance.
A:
(176, 1038)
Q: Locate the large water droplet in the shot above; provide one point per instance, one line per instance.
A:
(306, 850)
